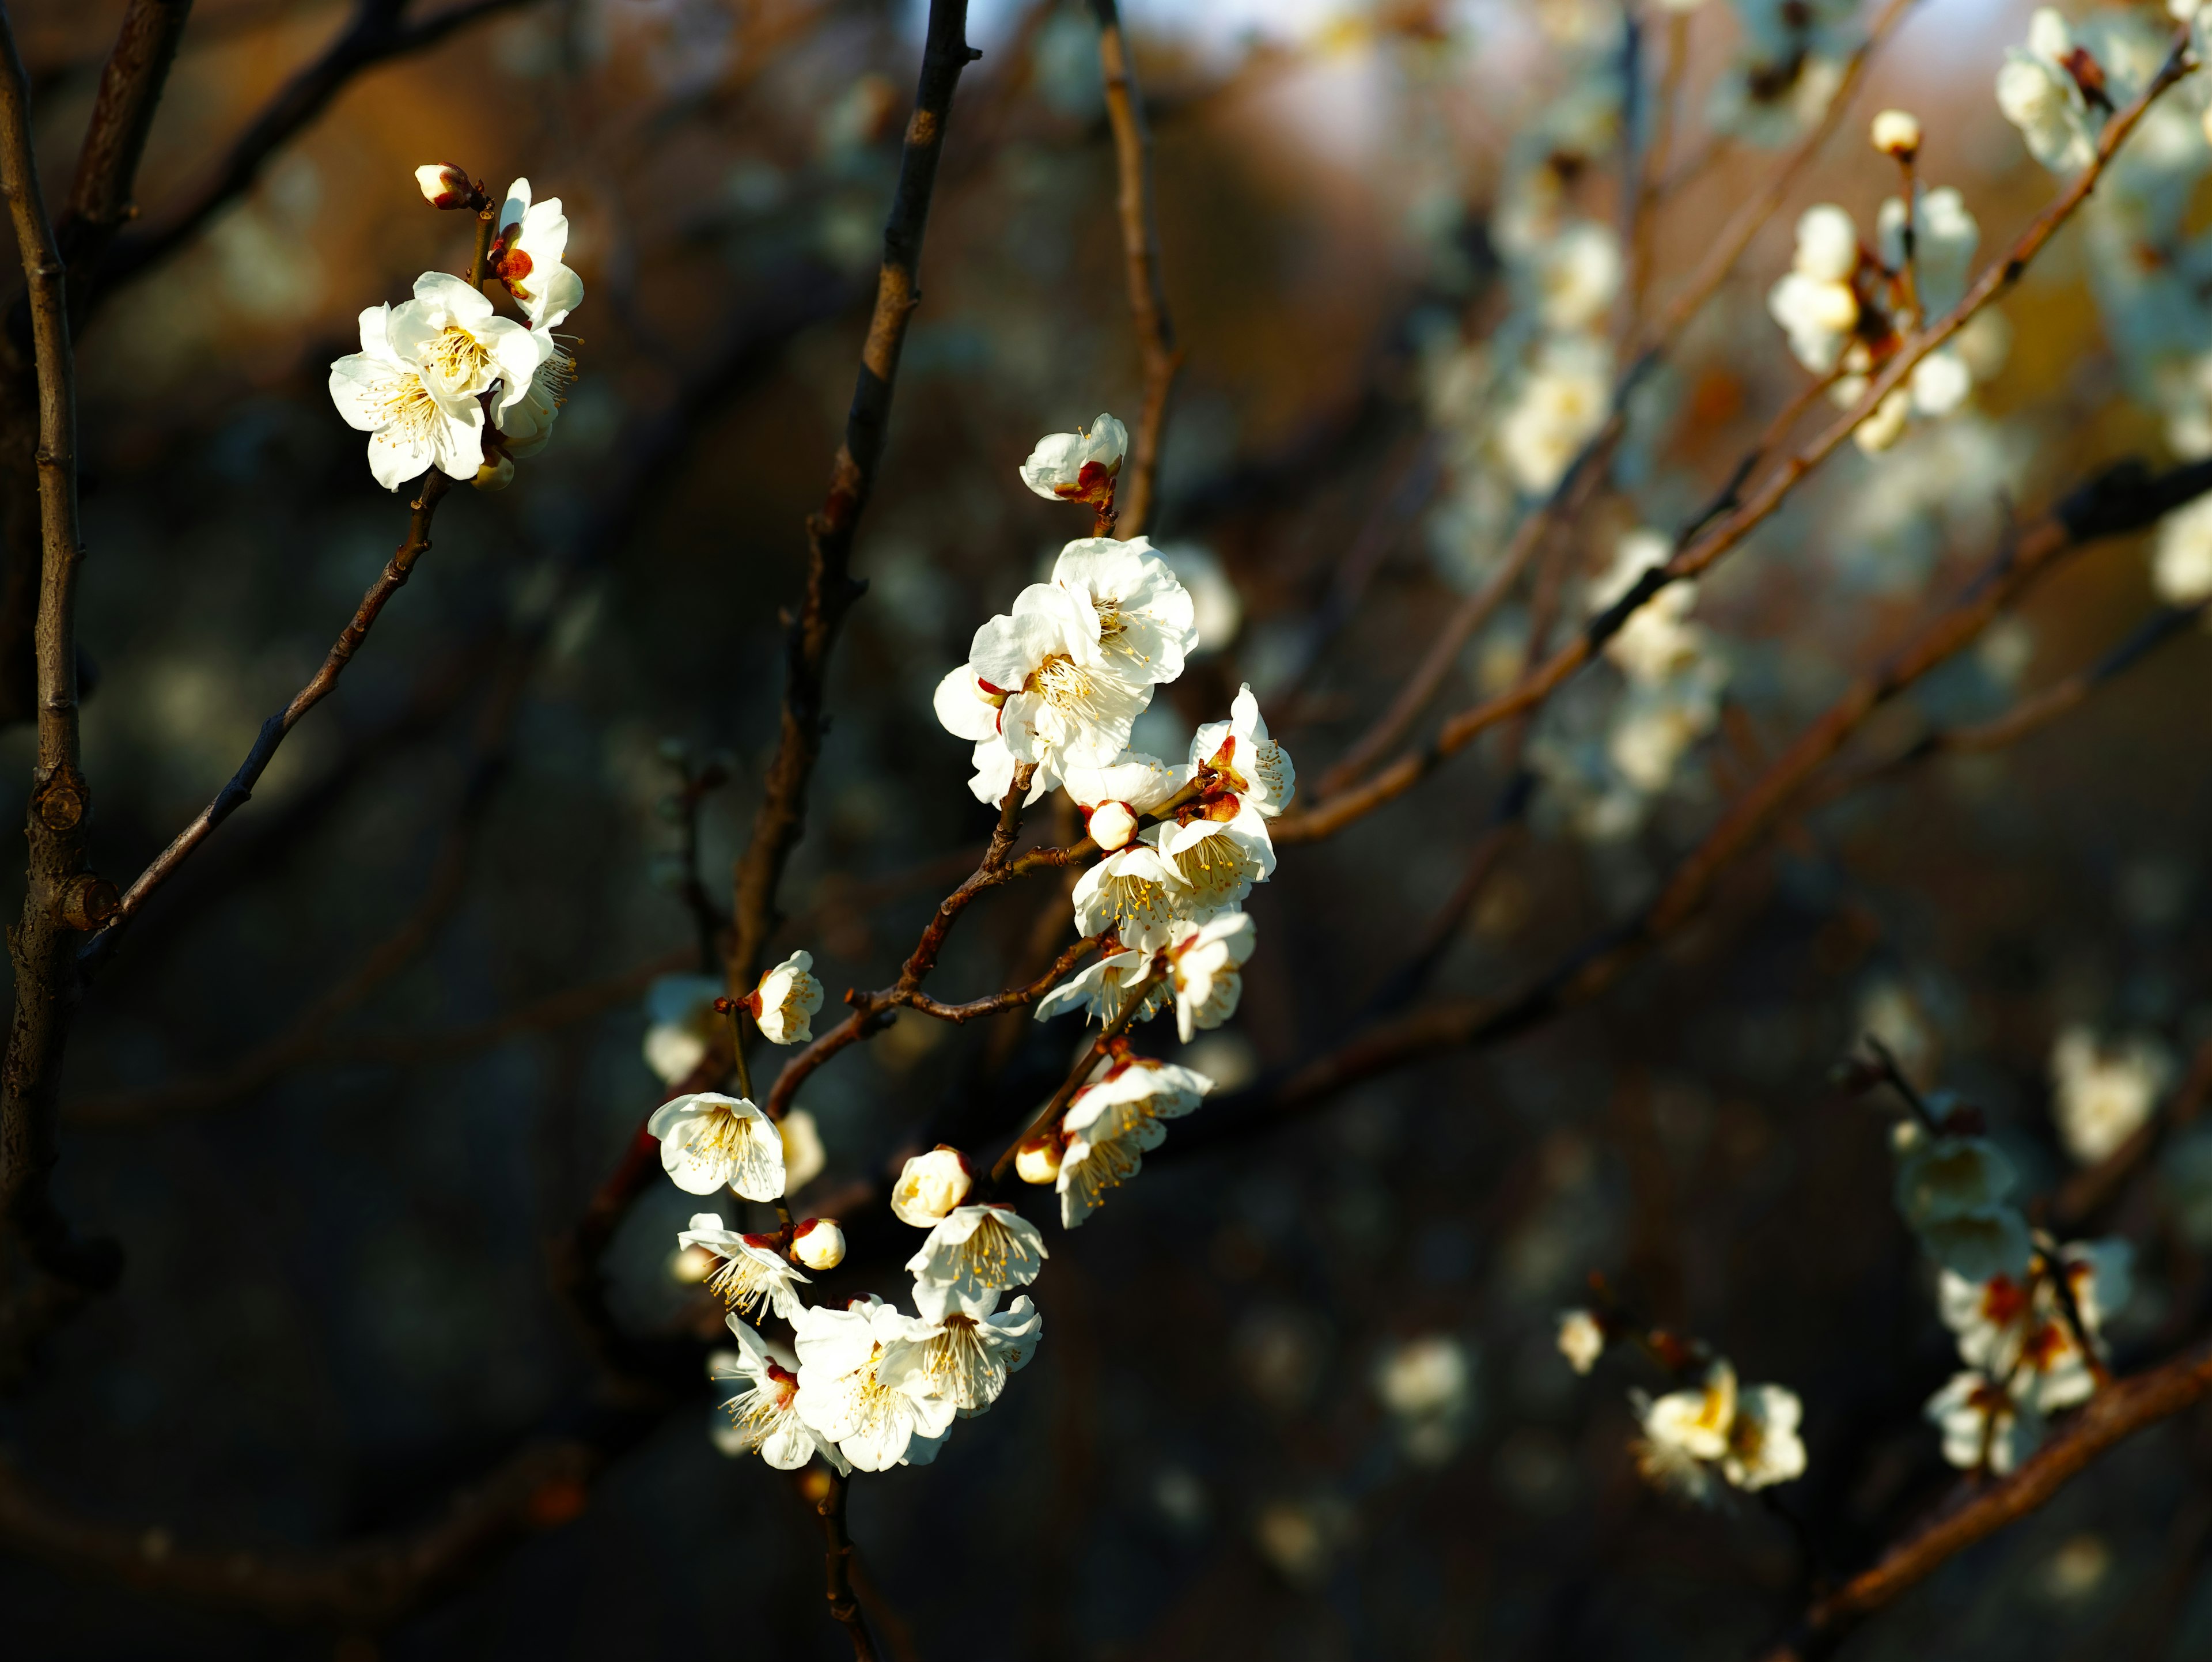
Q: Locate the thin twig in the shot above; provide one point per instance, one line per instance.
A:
(836, 1561)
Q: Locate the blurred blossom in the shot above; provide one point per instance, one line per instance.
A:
(2101, 1096)
(1982, 1424)
(1280, 1351)
(1582, 1341)
(2076, 1570)
(1561, 403)
(2006, 649)
(1300, 1538)
(2181, 565)
(1181, 1498)
(680, 1024)
(804, 1156)
(1888, 1010)
(1427, 1384)
(1219, 608)
(1226, 1058)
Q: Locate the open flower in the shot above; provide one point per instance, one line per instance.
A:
(1132, 895)
(1749, 1435)
(931, 1185)
(1147, 623)
(843, 1396)
(962, 1357)
(2019, 1330)
(1236, 759)
(750, 1271)
(972, 1255)
(1206, 968)
(1762, 1445)
(1696, 1422)
(1983, 1424)
(525, 424)
(1079, 467)
(1113, 1121)
(2101, 1098)
(707, 1140)
(1065, 704)
(1113, 798)
(529, 255)
(784, 1004)
(765, 1418)
(1104, 989)
(1951, 1190)
(1217, 851)
(462, 346)
(2041, 94)
(412, 426)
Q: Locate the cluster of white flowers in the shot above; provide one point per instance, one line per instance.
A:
(2027, 1312)
(1846, 307)
(442, 381)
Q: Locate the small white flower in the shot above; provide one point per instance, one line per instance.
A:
(443, 186)
(2038, 95)
(1037, 1160)
(1696, 1422)
(1886, 424)
(1147, 624)
(1560, 405)
(525, 424)
(842, 1396)
(1215, 860)
(1939, 384)
(1079, 467)
(2181, 569)
(1764, 1446)
(750, 1270)
(818, 1244)
(962, 1357)
(1577, 275)
(1102, 990)
(412, 426)
(1983, 1422)
(1064, 704)
(462, 346)
(1827, 248)
(1818, 318)
(1951, 1191)
(1897, 132)
(1236, 759)
(972, 1255)
(765, 1417)
(1205, 966)
(804, 1156)
(529, 256)
(1133, 894)
(1582, 1340)
(931, 1185)
(1114, 1119)
(2101, 1099)
(682, 1025)
(1658, 641)
(784, 1004)
(707, 1140)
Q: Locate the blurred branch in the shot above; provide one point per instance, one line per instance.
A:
(1140, 250)
(2115, 1413)
(837, 1565)
(1726, 533)
(240, 789)
(2088, 1191)
(376, 33)
(61, 898)
(2124, 498)
(830, 588)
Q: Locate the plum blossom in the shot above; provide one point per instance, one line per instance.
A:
(765, 1418)
(784, 1004)
(1205, 967)
(1147, 624)
(1577, 275)
(818, 1243)
(412, 427)
(1982, 1423)
(1560, 405)
(973, 1254)
(1896, 133)
(2101, 1098)
(1236, 760)
(1582, 1339)
(1113, 1121)
(931, 1185)
(1764, 1446)
(1060, 703)
(1113, 798)
(1749, 1434)
(1102, 989)
(1815, 302)
(961, 1356)
(2041, 94)
(1657, 640)
(2020, 1332)
(1132, 894)
(444, 185)
(707, 1140)
(843, 1398)
(1217, 860)
(529, 257)
(681, 1025)
(1945, 235)
(526, 423)
(462, 347)
(750, 1271)
(1951, 1190)
(1079, 467)
(2181, 569)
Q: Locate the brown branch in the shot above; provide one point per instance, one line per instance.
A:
(837, 1565)
(101, 199)
(2113, 1415)
(1014, 998)
(240, 789)
(62, 898)
(830, 588)
(1140, 252)
(1725, 533)
(376, 33)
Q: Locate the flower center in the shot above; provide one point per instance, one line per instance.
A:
(457, 356)
(1062, 681)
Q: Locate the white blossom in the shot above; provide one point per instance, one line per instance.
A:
(708, 1139)
(750, 1271)
(525, 424)
(1037, 1160)
(1114, 1119)
(1114, 798)
(1102, 988)
(2039, 96)
(1886, 424)
(1582, 1340)
(1079, 467)
(1658, 641)
(1814, 300)
(1560, 405)
(2019, 1332)
(818, 1243)
(1237, 759)
(972, 1255)
(1749, 1434)
(931, 1185)
(1216, 860)
(1577, 275)
(1132, 895)
(461, 345)
(962, 1357)
(443, 186)
(412, 426)
(1764, 1446)
(842, 1396)
(1896, 133)
(2181, 569)
(1944, 238)
(530, 257)
(1205, 966)
(681, 1025)
(1983, 1422)
(765, 1418)
(1063, 703)
(1951, 1191)
(2101, 1098)
(1147, 624)
(804, 1156)
(784, 1004)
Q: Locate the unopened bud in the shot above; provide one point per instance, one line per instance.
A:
(497, 474)
(1038, 1162)
(931, 1186)
(1112, 826)
(444, 185)
(1897, 133)
(818, 1244)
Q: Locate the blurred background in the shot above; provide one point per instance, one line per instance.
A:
(1299, 1395)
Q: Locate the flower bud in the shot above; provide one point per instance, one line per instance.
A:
(497, 474)
(818, 1244)
(1112, 826)
(931, 1186)
(1897, 133)
(444, 185)
(1038, 1161)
